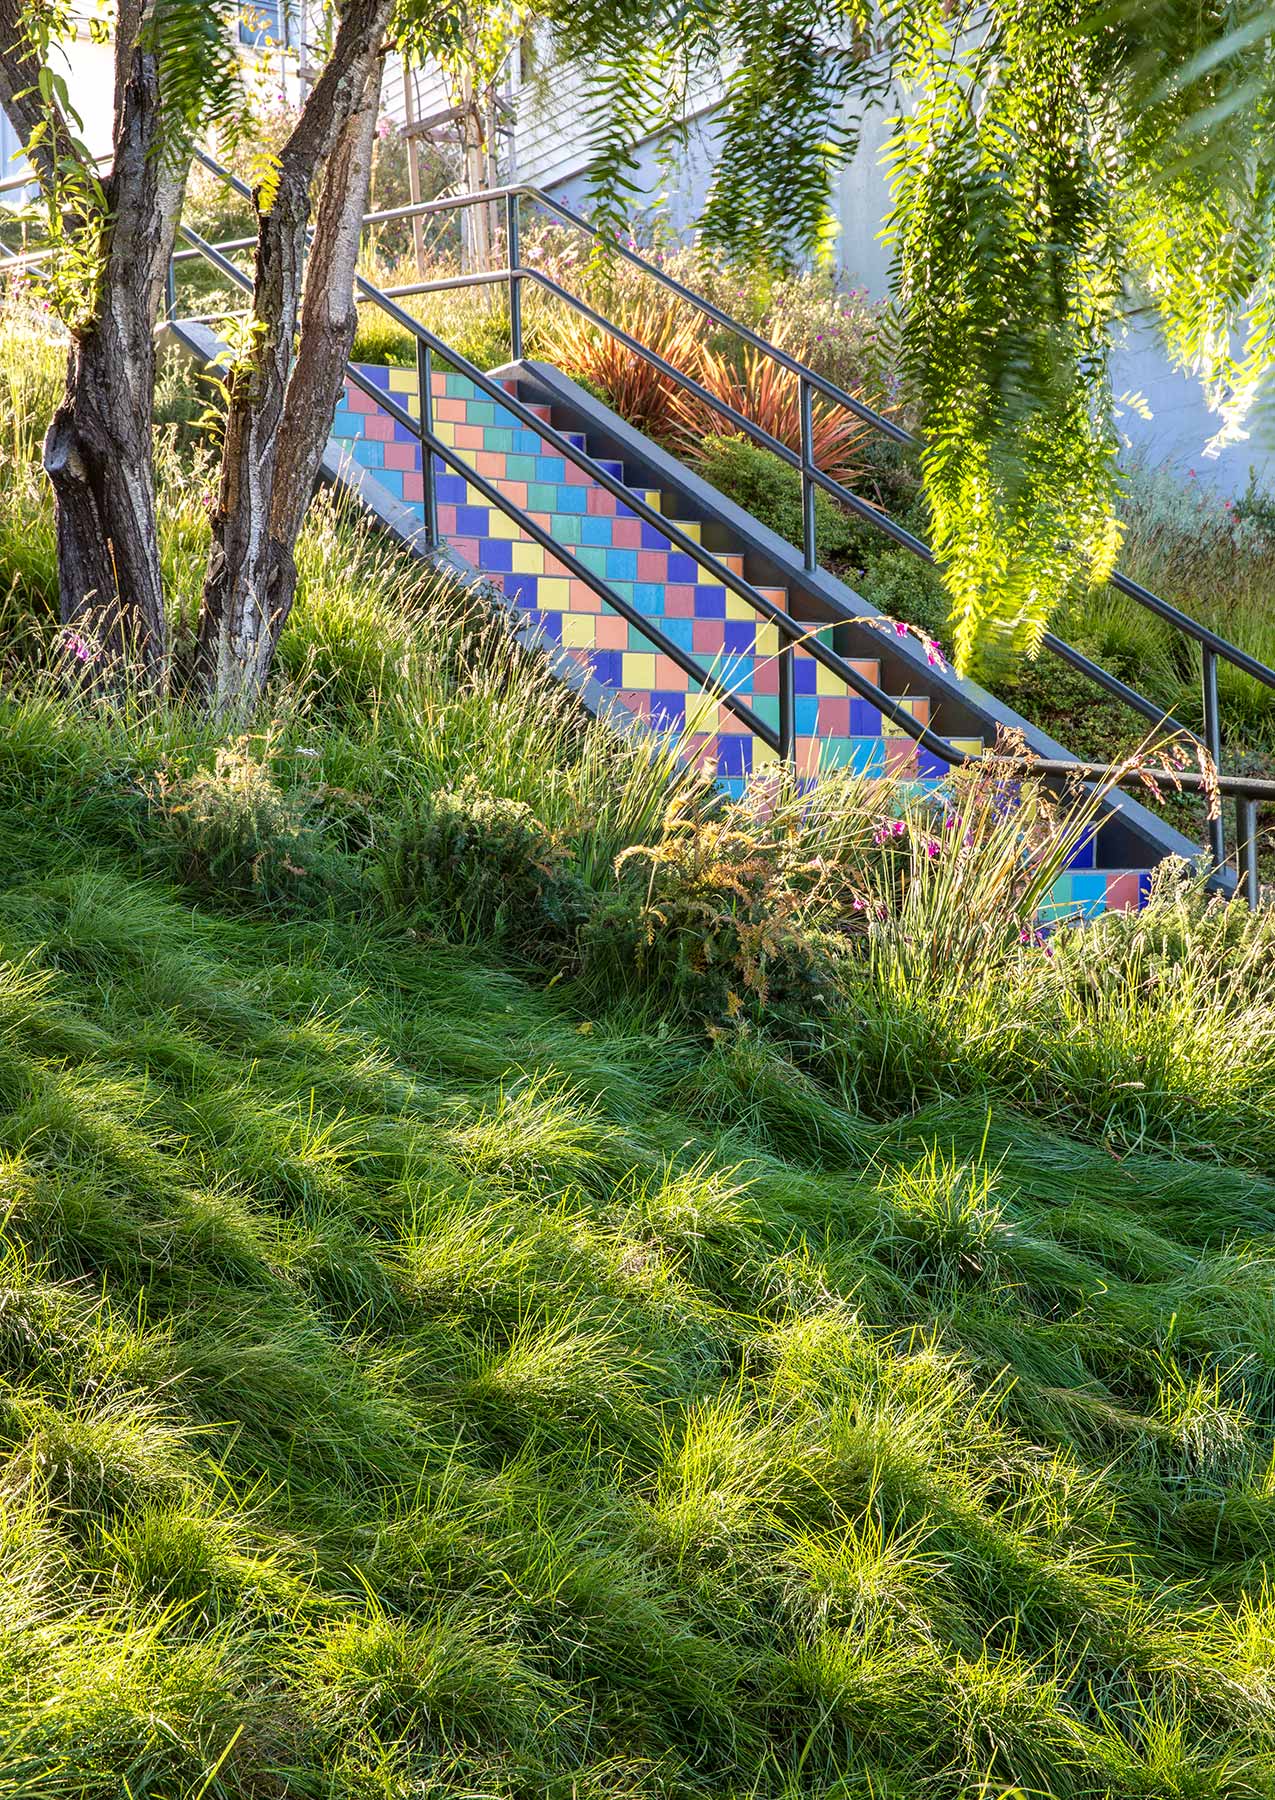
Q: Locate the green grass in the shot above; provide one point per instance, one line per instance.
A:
(425, 1374)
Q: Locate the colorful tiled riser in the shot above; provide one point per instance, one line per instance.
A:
(660, 582)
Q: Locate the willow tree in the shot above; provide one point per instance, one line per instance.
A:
(1054, 164)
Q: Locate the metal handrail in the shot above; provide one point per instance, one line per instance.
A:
(1246, 791)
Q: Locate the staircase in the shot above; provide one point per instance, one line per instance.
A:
(682, 607)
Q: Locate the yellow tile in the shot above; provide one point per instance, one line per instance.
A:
(402, 381)
(828, 683)
(692, 529)
(445, 432)
(768, 640)
(736, 606)
(652, 498)
(553, 593)
(702, 714)
(502, 526)
(638, 669)
(577, 631)
(529, 559)
(763, 753)
(473, 497)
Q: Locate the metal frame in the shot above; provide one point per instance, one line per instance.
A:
(1246, 791)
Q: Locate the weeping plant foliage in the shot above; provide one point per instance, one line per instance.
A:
(1056, 166)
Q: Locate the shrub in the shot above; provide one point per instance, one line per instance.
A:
(758, 481)
(634, 387)
(708, 925)
(480, 867)
(235, 835)
(755, 385)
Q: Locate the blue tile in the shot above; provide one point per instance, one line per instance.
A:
(371, 455)
(450, 489)
(865, 720)
(524, 589)
(550, 468)
(621, 565)
(741, 636)
(804, 675)
(611, 467)
(608, 667)
(595, 531)
(668, 708)
(806, 715)
(653, 538)
(377, 373)
(346, 423)
(683, 570)
(496, 553)
(391, 479)
(710, 602)
(473, 521)
(678, 631)
(734, 756)
(573, 499)
(1084, 855)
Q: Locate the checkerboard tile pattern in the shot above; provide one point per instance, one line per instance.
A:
(682, 598)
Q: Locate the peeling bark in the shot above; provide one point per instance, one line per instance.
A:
(280, 411)
(98, 449)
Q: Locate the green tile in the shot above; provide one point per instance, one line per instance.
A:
(498, 439)
(521, 468)
(542, 496)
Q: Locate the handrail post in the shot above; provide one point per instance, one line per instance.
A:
(1213, 744)
(513, 256)
(170, 290)
(1246, 849)
(787, 701)
(425, 388)
(806, 406)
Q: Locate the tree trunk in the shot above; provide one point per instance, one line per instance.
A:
(279, 416)
(98, 449)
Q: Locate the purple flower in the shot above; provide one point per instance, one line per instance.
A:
(79, 647)
(931, 847)
(900, 629)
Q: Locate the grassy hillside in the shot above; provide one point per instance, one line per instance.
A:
(798, 1337)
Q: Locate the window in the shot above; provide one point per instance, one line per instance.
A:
(266, 23)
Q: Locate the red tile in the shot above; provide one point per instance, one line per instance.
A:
(638, 700)
(652, 564)
(449, 407)
(601, 504)
(679, 602)
(469, 437)
(446, 519)
(401, 456)
(414, 487)
(626, 534)
(490, 463)
(834, 715)
(708, 636)
(611, 633)
(766, 676)
(1122, 892)
(668, 676)
(584, 599)
(900, 756)
(379, 427)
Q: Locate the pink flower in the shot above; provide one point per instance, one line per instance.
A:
(79, 647)
(931, 847)
(900, 629)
